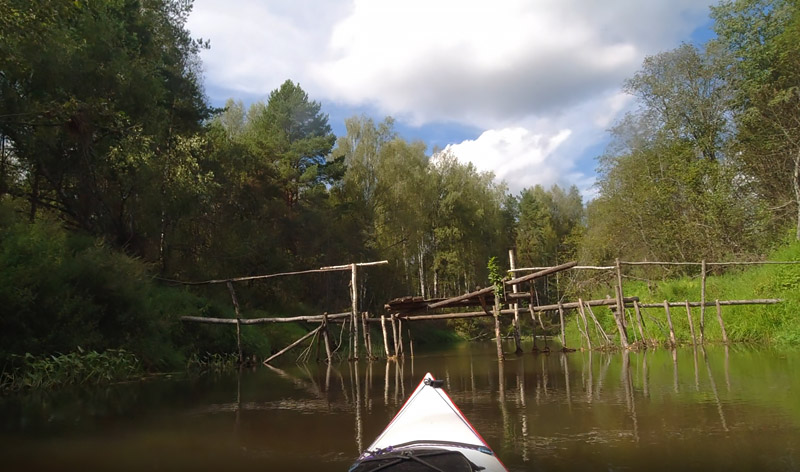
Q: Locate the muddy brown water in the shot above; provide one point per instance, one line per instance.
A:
(717, 408)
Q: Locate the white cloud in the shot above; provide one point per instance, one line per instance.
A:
(542, 78)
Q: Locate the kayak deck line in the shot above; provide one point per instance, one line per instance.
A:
(429, 420)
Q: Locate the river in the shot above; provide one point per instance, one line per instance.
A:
(733, 408)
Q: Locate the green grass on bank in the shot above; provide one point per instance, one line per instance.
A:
(777, 325)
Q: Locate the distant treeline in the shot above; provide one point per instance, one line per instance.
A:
(105, 128)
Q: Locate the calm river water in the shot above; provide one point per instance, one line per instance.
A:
(715, 409)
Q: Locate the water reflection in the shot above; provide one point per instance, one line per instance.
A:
(623, 410)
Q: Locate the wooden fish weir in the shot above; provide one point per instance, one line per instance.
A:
(415, 309)
(324, 320)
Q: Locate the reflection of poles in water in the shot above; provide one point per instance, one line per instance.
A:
(472, 379)
(386, 385)
(645, 375)
(675, 369)
(565, 367)
(696, 372)
(714, 390)
(603, 372)
(238, 396)
(727, 369)
(590, 383)
(357, 395)
(545, 378)
(328, 378)
(523, 410)
(629, 399)
(501, 388)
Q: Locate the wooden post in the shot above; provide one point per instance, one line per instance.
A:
(702, 301)
(639, 321)
(691, 323)
(326, 338)
(238, 321)
(515, 305)
(619, 316)
(410, 343)
(672, 340)
(354, 305)
(598, 326)
(385, 340)
(721, 323)
(394, 334)
(496, 313)
(365, 332)
(582, 312)
(563, 328)
(400, 336)
(533, 325)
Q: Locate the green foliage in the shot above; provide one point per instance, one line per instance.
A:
(78, 367)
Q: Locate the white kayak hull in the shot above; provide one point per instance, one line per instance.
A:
(429, 428)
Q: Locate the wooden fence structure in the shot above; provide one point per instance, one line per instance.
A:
(491, 300)
(324, 320)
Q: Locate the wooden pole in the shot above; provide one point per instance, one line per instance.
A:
(410, 343)
(354, 303)
(400, 336)
(563, 328)
(533, 323)
(673, 342)
(721, 323)
(619, 316)
(597, 325)
(585, 323)
(282, 351)
(703, 301)
(394, 334)
(365, 332)
(691, 323)
(496, 313)
(515, 306)
(238, 321)
(326, 337)
(639, 321)
(385, 340)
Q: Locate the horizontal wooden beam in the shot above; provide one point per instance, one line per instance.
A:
(541, 273)
(281, 274)
(246, 321)
(758, 301)
(451, 301)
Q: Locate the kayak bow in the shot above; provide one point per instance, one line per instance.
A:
(429, 433)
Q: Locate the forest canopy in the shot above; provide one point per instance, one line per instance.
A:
(105, 130)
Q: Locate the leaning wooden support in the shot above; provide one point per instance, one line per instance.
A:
(385, 340)
(672, 339)
(702, 301)
(238, 321)
(582, 313)
(515, 306)
(721, 323)
(691, 322)
(563, 327)
(354, 303)
(290, 346)
(326, 338)
(639, 321)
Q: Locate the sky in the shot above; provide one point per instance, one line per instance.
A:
(526, 89)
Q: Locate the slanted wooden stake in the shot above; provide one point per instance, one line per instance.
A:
(582, 312)
(515, 305)
(702, 300)
(354, 303)
(282, 351)
(721, 323)
(400, 337)
(691, 323)
(619, 316)
(673, 342)
(394, 334)
(563, 328)
(410, 343)
(639, 321)
(238, 321)
(385, 340)
(326, 338)
(365, 332)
